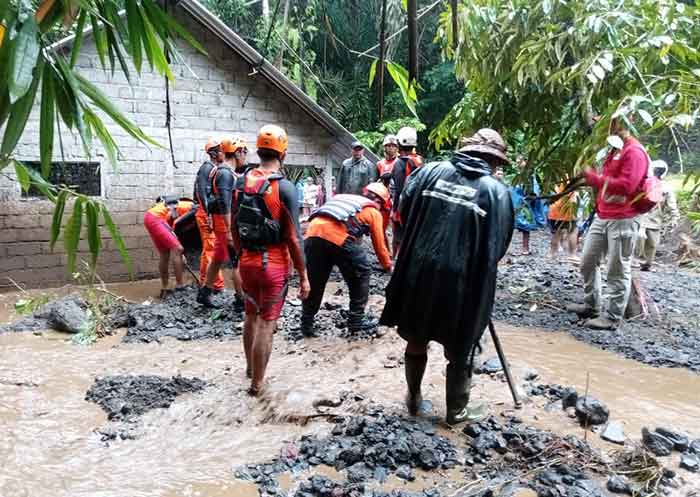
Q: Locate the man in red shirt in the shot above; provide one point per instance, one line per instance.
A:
(385, 167)
(267, 236)
(613, 231)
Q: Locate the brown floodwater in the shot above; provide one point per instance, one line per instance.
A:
(49, 447)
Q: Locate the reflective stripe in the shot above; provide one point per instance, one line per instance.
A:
(456, 200)
(342, 207)
(455, 189)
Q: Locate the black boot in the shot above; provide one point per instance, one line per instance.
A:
(414, 367)
(457, 389)
(204, 298)
(358, 322)
(307, 326)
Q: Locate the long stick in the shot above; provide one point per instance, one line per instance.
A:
(189, 269)
(506, 369)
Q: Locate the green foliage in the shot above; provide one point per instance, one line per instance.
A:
(373, 139)
(27, 305)
(26, 61)
(546, 68)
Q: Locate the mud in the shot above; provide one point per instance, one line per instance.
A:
(321, 486)
(534, 291)
(125, 398)
(179, 316)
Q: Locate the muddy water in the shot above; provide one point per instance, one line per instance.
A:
(48, 445)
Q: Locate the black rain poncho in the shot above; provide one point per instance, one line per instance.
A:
(458, 223)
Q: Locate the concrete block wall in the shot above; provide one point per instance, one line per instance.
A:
(212, 95)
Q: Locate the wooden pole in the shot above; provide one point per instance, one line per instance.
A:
(412, 12)
(380, 64)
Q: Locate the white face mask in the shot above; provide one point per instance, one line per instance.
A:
(615, 142)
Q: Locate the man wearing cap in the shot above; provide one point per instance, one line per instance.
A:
(356, 172)
(458, 222)
(385, 167)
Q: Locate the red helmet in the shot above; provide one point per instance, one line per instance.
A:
(379, 190)
(272, 137)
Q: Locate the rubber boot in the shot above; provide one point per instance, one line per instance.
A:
(307, 326)
(358, 322)
(457, 389)
(414, 367)
(204, 298)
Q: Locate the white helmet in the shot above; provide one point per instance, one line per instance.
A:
(390, 140)
(658, 164)
(407, 137)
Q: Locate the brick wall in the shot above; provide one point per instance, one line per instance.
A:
(212, 96)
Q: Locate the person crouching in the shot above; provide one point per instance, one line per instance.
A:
(334, 238)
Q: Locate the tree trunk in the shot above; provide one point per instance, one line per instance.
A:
(283, 34)
(380, 64)
(266, 9)
(412, 12)
(453, 5)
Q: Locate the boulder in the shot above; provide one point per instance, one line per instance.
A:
(681, 442)
(67, 314)
(619, 485)
(614, 433)
(569, 397)
(489, 366)
(656, 443)
(690, 462)
(591, 411)
(695, 446)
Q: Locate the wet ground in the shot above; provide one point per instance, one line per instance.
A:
(535, 290)
(55, 442)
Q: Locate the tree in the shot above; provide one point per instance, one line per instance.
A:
(27, 62)
(556, 73)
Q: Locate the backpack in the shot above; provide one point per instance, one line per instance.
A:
(344, 208)
(649, 194)
(256, 227)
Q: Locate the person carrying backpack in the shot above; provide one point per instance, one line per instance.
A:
(614, 230)
(267, 237)
(334, 238)
(403, 167)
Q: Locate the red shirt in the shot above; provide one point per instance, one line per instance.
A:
(385, 166)
(623, 172)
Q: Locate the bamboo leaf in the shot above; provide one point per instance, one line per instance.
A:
(46, 122)
(71, 233)
(19, 113)
(161, 18)
(117, 237)
(646, 116)
(372, 72)
(135, 26)
(100, 39)
(151, 40)
(400, 76)
(57, 217)
(78, 41)
(93, 229)
(22, 176)
(24, 59)
(110, 146)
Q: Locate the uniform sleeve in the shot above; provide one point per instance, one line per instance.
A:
(200, 186)
(633, 167)
(225, 182)
(290, 224)
(373, 219)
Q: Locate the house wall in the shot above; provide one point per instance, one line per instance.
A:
(212, 95)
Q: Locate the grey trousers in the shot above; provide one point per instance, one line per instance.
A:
(616, 238)
(646, 246)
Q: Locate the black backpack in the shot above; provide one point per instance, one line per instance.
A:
(257, 229)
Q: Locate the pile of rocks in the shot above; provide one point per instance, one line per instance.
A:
(320, 486)
(662, 442)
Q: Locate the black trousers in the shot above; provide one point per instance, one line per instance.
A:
(351, 259)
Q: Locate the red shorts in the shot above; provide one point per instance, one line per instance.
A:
(265, 289)
(221, 250)
(162, 235)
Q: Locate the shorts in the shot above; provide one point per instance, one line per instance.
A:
(221, 248)
(556, 225)
(265, 289)
(162, 235)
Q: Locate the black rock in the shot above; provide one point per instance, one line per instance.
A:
(405, 473)
(656, 443)
(489, 440)
(569, 397)
(614, 433)
(359, 473)
(690, 462)
(489, 366)
(619, 485)
(68, 314)
(695, 446)
(681, 443)
(591, 411)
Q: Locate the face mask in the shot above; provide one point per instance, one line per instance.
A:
(615, 142)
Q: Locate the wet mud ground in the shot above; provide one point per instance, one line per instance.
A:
(332, 421)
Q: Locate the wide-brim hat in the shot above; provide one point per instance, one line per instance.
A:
(486, 141)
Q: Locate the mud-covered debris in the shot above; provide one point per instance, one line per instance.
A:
(614, 433)
(681, 443)
(125, 397)
(695, 447)
(619, 484)
(331, 321)
(690, 462)
(320, 486)
(489, 366)
(66, 314)
(656, 443)
(180, 316)
(366, 446)
(591, 411)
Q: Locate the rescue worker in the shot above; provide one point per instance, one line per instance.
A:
(356, 172)
(385, 167)
(459, 222)
(614, 229)
(222, 180)
(267, 236)
(159, 221)
(334, 238)
(202, 195)
(405, 164)
(650, 224)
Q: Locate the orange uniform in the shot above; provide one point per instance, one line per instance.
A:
(208, 246)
